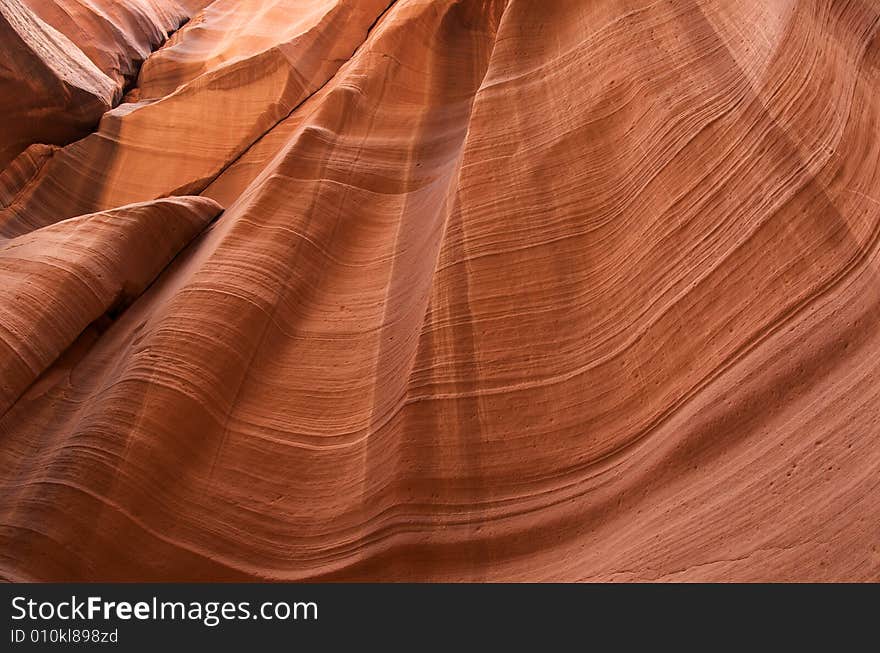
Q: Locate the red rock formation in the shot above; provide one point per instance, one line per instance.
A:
(65, 62)
(44, 74)
(117, 35)
(504, 289)
(57, 281)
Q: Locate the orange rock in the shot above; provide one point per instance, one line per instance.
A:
(117, 35)
(56, 281)
(44, 74)
(66, 62)
(503, 290)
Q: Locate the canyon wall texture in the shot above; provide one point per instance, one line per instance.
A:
(499, 290)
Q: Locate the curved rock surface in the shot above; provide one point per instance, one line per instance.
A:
(44, 73)
(66, 62)
(117, 35)
(503, 290)
(56, 281)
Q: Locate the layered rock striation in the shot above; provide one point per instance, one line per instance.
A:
(502, 290)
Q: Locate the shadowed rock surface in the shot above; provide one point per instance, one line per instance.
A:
(503, 290)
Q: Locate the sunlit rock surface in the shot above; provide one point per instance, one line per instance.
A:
(503, 290)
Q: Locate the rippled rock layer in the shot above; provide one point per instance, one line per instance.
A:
(502, 290)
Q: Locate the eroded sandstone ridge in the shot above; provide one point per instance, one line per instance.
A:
(503, 289)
